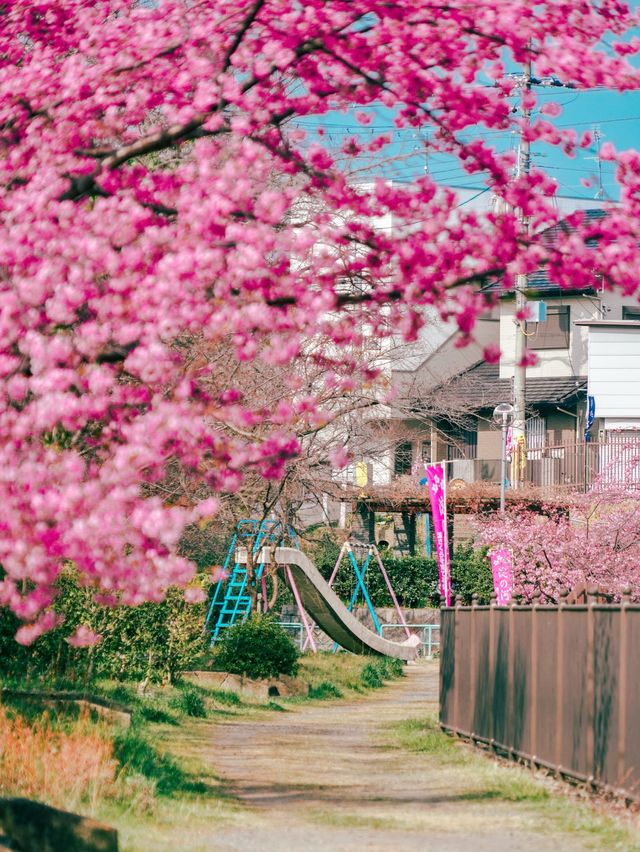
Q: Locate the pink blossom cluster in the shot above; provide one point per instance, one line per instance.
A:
(157, 186)
(590, 539)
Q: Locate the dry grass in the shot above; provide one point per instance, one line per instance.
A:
(65, 768)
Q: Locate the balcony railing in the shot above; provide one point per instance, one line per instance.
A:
(572, 466)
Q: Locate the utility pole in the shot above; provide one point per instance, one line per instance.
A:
(597, 139)
(525, 81)
(520, 369)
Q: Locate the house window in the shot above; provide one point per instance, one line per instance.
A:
(535, 429)
(631, 312)
(464, 444)
(553, 333)
(403, 458)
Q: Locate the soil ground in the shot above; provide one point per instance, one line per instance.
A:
(331, 775)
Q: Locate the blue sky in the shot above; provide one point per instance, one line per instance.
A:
(615, 116)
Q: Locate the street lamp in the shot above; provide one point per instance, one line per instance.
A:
(503, 415)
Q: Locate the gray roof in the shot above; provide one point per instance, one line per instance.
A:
(480, 387)
(538, 281)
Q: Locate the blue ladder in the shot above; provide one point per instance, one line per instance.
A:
(230, 599)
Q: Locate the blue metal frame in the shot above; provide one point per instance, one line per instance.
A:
(229, 600)
(361, 587)
(360, 584)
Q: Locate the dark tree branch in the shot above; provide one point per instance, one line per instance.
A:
(246, 24)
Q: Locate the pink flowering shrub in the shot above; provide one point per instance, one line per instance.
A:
(591, 539)
(161, 189)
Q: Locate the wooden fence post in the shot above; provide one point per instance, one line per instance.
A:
(534, 678)
(590, 686)
(559, 680)
(455, 614)
(623, 687)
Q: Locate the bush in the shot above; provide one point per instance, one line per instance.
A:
(325, 690)
(371, 677)
(258, 648)
(471, 573)
(190, 702)
(415, 579)
(154, 641)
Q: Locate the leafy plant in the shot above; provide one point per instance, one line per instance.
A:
(258, 648)
(371, 677)
(325, 690)
(153, 642)
(189, 702)
(415, 579)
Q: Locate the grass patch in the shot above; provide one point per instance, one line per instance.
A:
(190, 702)
(226, 697)
(324, 690)
(336, 675)
(371, 677)
(338, 819)
(137, 756)
(424, 736)
(473, 776)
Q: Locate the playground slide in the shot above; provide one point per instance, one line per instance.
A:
(332, 616)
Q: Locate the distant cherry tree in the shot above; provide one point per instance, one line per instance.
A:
(157, 185)
(590, 540)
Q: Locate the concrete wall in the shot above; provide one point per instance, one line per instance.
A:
(489, 441)
(551, 362)
(561, 428)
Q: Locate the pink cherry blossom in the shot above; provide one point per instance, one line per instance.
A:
(164, 196)
(580, 539)
(84, 637)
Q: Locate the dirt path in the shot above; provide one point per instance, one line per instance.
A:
(325, 777)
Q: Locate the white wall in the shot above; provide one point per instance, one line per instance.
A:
(614, 370)
(551, 362)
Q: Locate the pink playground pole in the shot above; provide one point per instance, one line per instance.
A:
(391, 592)
(303, 615)
(345, 547)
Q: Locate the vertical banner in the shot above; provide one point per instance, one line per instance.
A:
(437, 481)
(502, 570)
(591, 416)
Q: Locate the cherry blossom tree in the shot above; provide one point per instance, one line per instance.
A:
(153, 170)
(590, 539)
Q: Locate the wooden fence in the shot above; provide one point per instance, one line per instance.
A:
(555, 686)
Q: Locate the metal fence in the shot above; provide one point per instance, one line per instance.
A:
(429, 636)
(572, 466)
(557, 687)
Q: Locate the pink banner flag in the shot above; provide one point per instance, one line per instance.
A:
(437, 482)
(502, 570)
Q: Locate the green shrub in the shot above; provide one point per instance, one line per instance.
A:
(258, 648)
(371, 677)
(190, 702)
(154, 641)
(415, 579)
(471, 573)
(325, 690)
